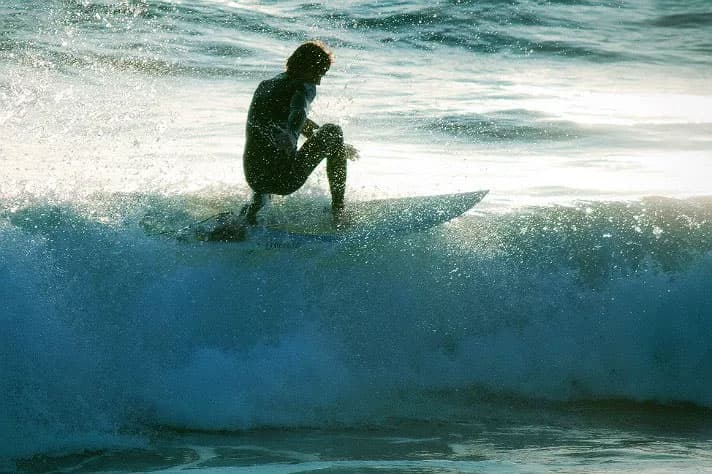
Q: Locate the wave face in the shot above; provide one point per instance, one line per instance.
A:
(109, 331)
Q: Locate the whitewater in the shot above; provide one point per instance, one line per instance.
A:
(563, 324)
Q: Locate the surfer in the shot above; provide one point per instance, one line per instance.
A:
(273, 163)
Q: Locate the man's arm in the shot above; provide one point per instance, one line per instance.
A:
(309, 128)
(348, 151)
(298, 113)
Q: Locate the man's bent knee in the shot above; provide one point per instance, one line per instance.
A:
(331, 132)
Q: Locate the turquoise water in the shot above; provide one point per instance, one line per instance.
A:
(562, 325)
(506, 435)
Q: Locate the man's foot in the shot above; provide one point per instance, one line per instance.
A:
(340, 217)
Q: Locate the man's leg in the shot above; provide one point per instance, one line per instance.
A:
(326, 144)
(249, 211)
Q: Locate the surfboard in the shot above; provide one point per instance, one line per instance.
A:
(297, 222)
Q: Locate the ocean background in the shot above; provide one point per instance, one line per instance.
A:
(562, 325)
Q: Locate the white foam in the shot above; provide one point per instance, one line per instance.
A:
(106, 329)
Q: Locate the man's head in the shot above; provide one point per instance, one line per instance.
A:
(310, 61)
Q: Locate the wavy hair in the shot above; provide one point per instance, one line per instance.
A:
(312, 56)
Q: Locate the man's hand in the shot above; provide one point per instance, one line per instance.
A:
(309, 128)
(349, 152)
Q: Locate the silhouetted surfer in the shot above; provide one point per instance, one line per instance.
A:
(278, 114)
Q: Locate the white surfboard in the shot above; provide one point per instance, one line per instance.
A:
(378, 218)
(294, 222)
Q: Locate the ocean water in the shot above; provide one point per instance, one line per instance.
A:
(563, 325)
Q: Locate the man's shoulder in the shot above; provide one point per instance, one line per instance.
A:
(281, 82)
